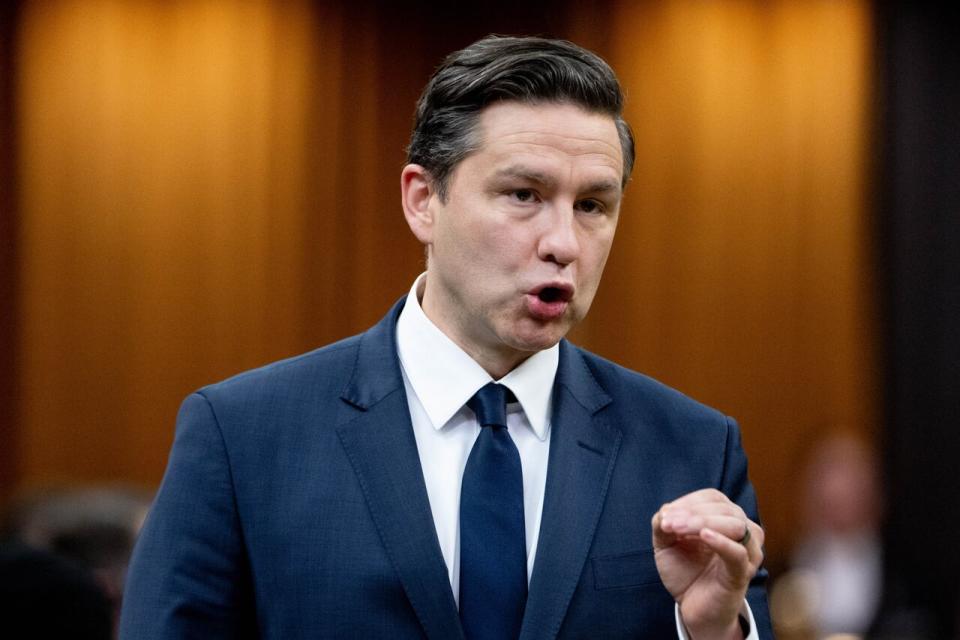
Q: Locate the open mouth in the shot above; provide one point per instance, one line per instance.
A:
(549, 303)
(553, 294)
(549, 294)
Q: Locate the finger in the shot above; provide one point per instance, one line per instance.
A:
(661, 537)
(698, 497)
(665, 533)
(706, 514)
(750, 537)
(689, 520)
(731, 526)
(705, 509)
(734, 528)
(735, 556)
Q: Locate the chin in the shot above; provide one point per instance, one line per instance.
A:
(524, 334)
(538, 340)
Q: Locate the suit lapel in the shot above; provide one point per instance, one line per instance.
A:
(583, 450)
(378, 438)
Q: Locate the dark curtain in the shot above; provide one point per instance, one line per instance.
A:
(8, 246)
(919, 214)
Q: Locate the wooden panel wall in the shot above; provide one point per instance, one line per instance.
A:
(198, 198)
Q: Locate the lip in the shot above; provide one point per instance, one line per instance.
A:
(549, 301)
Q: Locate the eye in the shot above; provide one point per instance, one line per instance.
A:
(591, 206)
(523, 195)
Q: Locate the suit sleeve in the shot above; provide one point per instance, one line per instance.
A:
(189, 576)
(735, 484)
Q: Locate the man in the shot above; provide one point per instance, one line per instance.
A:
(460, 470)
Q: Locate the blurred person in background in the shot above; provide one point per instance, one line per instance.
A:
(836, 581)
(66, 534)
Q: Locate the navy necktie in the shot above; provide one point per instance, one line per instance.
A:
(493, 548)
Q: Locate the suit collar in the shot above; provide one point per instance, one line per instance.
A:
(376, 373)
(574, 375)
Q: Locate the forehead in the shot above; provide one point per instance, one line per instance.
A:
(550, 131)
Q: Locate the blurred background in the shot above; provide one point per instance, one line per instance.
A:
(193, 188)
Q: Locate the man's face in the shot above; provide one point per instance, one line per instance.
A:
(517, 250)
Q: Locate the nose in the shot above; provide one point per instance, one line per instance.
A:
(559, 242)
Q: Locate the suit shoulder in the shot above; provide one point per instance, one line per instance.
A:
(322, 367)
(645, 393)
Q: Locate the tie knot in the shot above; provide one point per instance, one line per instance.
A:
(490, 405)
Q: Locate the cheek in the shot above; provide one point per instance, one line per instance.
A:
(596, 257)
(456, 238)
(501, 247)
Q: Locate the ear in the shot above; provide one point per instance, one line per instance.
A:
(416, 195)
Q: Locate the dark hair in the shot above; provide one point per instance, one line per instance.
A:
(529, 70)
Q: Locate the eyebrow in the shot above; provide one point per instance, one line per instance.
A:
(538, 177)
(525, 173)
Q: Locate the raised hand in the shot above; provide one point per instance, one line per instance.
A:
(707, 550)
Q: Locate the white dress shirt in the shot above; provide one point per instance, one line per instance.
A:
(439, 379)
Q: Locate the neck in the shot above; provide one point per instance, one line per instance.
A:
(496, 362)
(497, 365)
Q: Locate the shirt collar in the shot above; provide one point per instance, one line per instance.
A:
(444, 377)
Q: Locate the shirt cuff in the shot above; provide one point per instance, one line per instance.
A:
(746, 615)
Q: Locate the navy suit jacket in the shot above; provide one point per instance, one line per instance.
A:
(294, 506)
